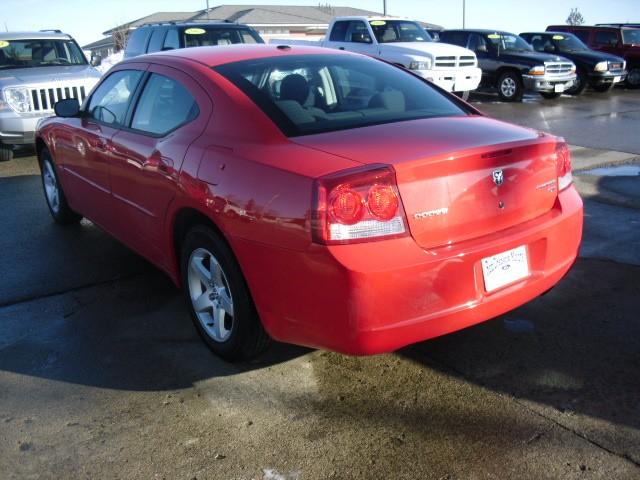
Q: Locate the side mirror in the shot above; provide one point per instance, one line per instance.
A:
(96, 60)
(482, 49)
(67, 108)
(613, 42)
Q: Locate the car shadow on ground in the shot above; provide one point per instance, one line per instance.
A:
(576, 349)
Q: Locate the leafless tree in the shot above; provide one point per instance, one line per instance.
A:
(119, 36)
(575, 17)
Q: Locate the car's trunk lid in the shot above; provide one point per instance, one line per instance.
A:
(459, 178)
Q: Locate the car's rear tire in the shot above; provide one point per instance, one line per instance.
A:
(580, 85)
(218, 298)
(607, 87)
(510, 87)
(53, 193)
(6, 153)
(550, 95)
(633, 78)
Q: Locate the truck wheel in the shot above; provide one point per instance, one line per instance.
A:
(463, 95)
(580, 84)
(550, 95)
(6, 153)
(218, 297)
(633, 78)
(510, 87)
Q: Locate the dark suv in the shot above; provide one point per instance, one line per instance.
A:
(599, 70)
(616, 39)
(158, 37)
(510, 65)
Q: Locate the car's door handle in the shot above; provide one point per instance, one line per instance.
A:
(100, 145)
(158, 162)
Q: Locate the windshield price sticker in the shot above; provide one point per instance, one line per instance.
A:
(378, 23)
(493, 36)
(4, 44)
(558, 37)
(195, 31)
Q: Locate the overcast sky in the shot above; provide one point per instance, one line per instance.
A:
(87, 19)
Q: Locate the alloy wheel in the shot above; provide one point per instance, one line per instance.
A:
(51, 186)
(508, 87)
(210, 295)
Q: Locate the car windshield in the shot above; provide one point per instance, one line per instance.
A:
(508, 42)
(204, 36)
(39, 53)
(568, 43)
(388, 31)
(322, 93)
(631, 36)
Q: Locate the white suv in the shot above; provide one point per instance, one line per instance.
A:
(36, 70)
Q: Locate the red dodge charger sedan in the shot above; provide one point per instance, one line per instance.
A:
(316, 197)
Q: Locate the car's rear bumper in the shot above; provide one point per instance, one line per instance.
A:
(379, 296)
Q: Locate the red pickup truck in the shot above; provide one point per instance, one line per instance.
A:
(618, 39)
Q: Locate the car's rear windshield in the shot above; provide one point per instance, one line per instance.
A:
(306, 94)
(205, 35)
(39, 53)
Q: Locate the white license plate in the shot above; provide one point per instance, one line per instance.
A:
(559, 88)
(616, 79)
(505, 268)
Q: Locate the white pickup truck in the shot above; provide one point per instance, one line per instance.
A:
(405, 43)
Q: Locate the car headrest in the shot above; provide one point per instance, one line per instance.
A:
(294, 87)
(391, 100)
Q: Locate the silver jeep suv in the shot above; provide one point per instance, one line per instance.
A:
(36, 70)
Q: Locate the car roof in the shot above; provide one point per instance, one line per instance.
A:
(478, 30)
(195, 24)
(550, 32)
(219, 55)
(34, 35)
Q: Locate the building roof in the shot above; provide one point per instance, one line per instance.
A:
(104, 42)
(250, 14)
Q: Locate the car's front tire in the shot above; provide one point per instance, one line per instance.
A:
(218, 298)
(463, 95)
(633, 78)
(53, 193)
(580, 83)
(603, 88)
(510, 87)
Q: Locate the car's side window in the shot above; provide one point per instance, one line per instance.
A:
(477, 43)
(164, 105)
(455, 38)
(157, 37)
(110, 101)
(358, 32)
(137, 42)
(604, 37)
(172, 40)
(339, 31)
(582, 35)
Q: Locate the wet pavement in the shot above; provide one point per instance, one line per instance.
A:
(103, 376)
(604, 121)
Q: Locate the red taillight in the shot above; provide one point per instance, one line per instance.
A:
(345, 205)
(382, 202)
(356, 206)
(563, 165)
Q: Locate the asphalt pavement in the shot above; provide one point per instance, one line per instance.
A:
(103, 376)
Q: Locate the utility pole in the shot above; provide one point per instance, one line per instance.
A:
(207, 9)
(463, 14)
(384, 7)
